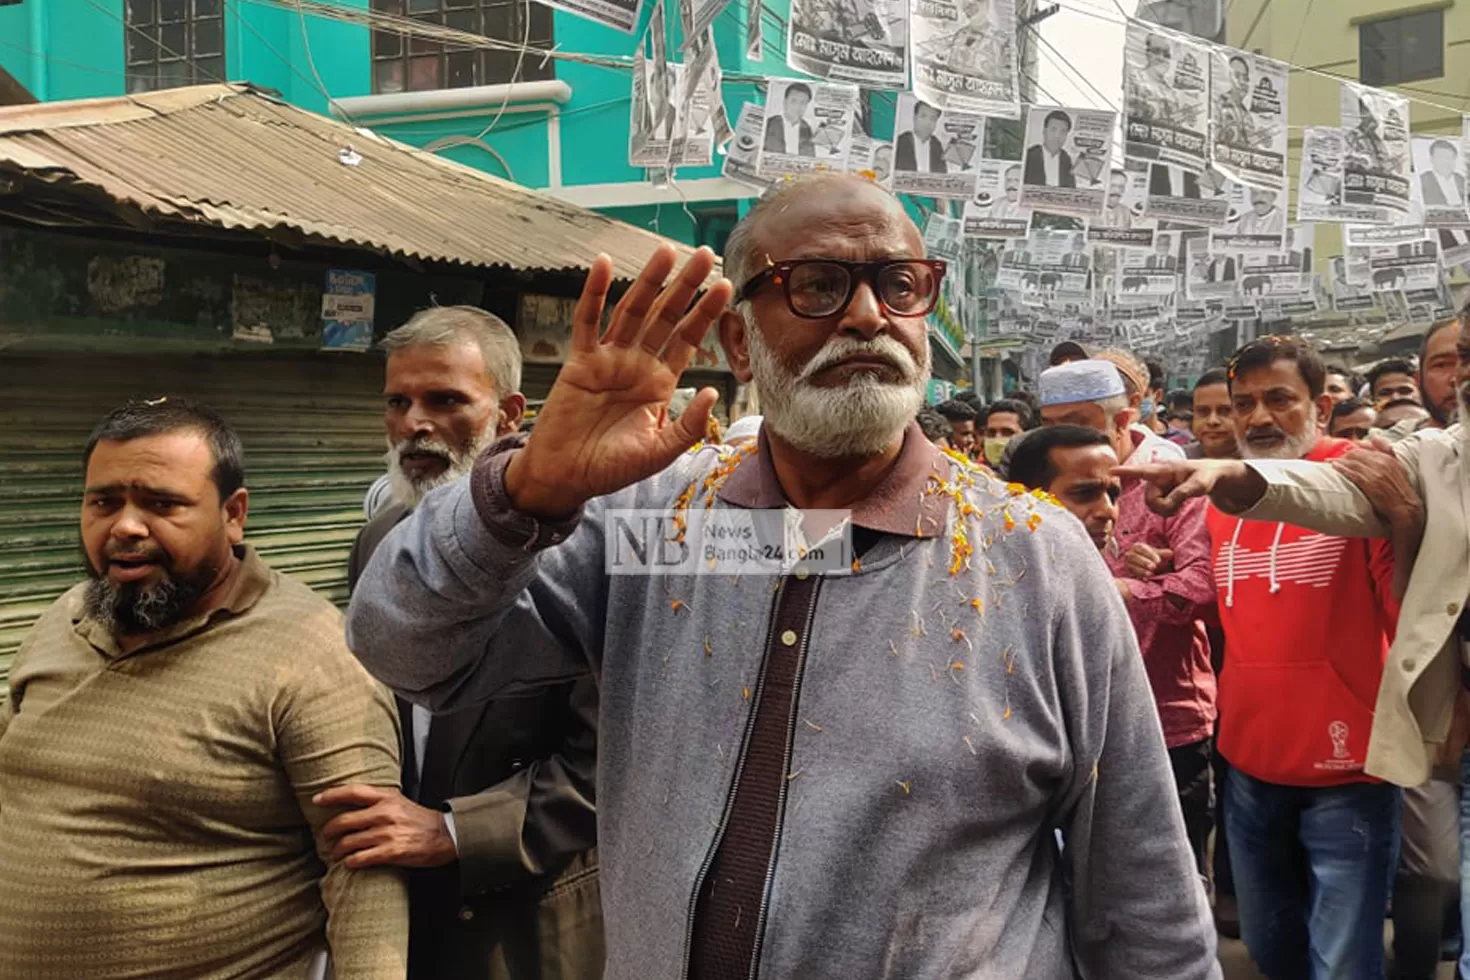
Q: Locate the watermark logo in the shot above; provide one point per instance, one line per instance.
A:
(728, 541)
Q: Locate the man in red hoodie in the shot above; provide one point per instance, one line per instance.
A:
(1307, 619)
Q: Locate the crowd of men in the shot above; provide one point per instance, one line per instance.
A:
(1095, 660)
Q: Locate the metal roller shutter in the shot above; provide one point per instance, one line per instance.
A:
(313, 434)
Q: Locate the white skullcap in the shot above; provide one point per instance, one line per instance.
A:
(1080, 381)
(745, 427)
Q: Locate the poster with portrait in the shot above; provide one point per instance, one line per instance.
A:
(936, 152)
(964, 55)
(1248, 118)
(944, 237)
(1454, 246)
(620, 15)
(1153, 273)
(808, 127)
(1376, 162)
(1319, 193)
(1349, 296)
(1210, 273)
(1166, 85)
(861, 41)
(1438, 192)
(1257, 221)
(654, 112)
(994, 212)
(1400, 268)
(1122, 222)
(1178, 197)
(1065, 168)
(1046, 266)
(742, 157)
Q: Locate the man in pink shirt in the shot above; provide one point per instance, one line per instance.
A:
(1163, 572)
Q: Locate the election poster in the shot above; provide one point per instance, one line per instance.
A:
(1248, 118)
(1439, 181)
(1257, 221)
(1210, 273)
(1400, 268)
(994, 212)
(1320, 186)
(1046, 266)
(1165, 95)
(1151, 274)
(754, 34)
(935, 152)
(698, 16)
(1122, 222)
(742, 157)
(863, 41)
(1272, 274)
(1454, 246)
(1177, 197)
(654, 110)
(703, 124)
(964, 54)
(1376, 160)
(1065, 168)
(808, 127)
(1349, 296)
(944, 237)
(620, 15)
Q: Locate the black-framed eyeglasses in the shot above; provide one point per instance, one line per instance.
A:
(816, 288)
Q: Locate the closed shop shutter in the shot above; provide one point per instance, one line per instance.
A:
(311, 424)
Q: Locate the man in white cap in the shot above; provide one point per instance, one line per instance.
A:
(1163, 571)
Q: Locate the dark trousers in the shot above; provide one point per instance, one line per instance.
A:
(1191, 765)
(1224, 879)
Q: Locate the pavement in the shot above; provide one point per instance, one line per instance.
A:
(1237, 963)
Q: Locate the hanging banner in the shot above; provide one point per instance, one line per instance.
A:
(1248, 118)
(1122, 222)
(743, 156)
(697, 17)
(1153, 273)
(1396, 268)
(1438, 191)
(703, 124)
(1179, 197)
(1376, 159)
(808, 127)
(935, 153)
(1319, 193)
(651, 128)
(1045, 265)
(1454, 246)
(1210, 273)
(620, 15)
(863, 41)
(754, 33)
(1348, 296)
(995, 212)
(871, 158)
(1257, 222)
(965, 55)
(944, 236)
(1066, 163)
(1166, 98)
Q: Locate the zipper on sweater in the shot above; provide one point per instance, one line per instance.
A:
(709, 855)
(760, 919)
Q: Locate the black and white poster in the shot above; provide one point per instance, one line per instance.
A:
(1210, 273)
(964, 55)
(621, 15)
(1349, 296)
(1122, 222)
(1166, 98)
(1152, 273)
(994, 212)
(1413, 265)
(944, 237)
(1046, 265)
(863, 41)
(1439, 182)
(1376, 161)
(1065, 168)
(808, 127)
(703, 124)
(871, 158)
(754, 33)
(1319, 194)
(698, 16)
(1177, 197)
(742, 158)
(1248, 118)
(1257, 221)
(936, 152)
(1454, 246)
(655, 99)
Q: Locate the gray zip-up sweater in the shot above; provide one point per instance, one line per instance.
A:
(953, 710)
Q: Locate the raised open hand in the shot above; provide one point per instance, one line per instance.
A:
(605, 423)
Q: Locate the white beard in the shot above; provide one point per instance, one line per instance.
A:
(408, 491)
(862, 418)
(1295, 447)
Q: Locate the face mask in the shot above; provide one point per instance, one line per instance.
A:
(994, 450)
(1145, 410)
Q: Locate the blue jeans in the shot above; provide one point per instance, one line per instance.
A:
(1313, 872)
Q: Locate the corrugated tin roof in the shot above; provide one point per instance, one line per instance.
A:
(233, 157)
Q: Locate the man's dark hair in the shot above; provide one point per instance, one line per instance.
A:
(1179, 400)
(1400, 403)
(1354, 379)
(1156, 375)
(1015, 407)
(1027, 398)
(957, 411)
(1240, 58)
(1394, 365)
(801, 87)
(158, 416)
(935, 426)
(970, 397)
(1214, 376)
(1057, 114)
(1347, 407)
(1032, 465)
(1443, 144)
(1268, 350)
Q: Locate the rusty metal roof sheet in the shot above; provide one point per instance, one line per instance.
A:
(231, 156)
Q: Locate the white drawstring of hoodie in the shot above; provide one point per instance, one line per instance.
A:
(1230, 562)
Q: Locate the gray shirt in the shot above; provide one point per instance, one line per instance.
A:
(954, 711)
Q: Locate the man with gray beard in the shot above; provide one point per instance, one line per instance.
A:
(852, 687)
(497, 820)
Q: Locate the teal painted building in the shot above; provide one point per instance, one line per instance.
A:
(562, 126)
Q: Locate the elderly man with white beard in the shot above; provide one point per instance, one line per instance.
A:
(497, 821)
(845, 743)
